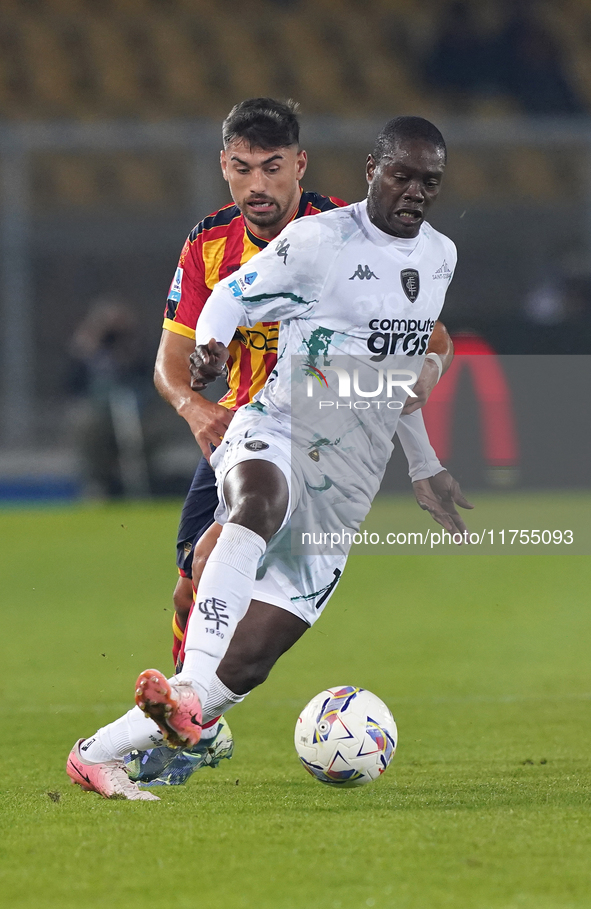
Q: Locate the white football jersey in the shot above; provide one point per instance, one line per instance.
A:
(356, 306)
(339, 285)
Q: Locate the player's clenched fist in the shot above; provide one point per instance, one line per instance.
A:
(206, 364)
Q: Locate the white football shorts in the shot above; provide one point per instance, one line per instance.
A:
(300, 584)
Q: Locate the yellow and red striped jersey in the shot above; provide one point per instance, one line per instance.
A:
(215, 248)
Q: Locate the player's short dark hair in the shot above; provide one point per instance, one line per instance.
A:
(263, 123)
(402, 129)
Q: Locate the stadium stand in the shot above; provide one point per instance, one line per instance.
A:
(92, 211)
(155, 60)
(158, 59)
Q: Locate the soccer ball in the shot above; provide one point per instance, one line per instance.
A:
(346, 736)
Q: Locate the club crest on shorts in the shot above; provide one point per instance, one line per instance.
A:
(256, 445)
(410, 283)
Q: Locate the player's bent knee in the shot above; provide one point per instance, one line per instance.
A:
(202, 551)
(264, 518)
(197, 566)
(183, 597)
(258, 514)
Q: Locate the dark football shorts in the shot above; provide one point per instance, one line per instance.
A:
(197, 515)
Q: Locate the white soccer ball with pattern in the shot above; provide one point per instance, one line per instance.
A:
(346, 736)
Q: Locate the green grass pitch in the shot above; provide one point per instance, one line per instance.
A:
(484, 661)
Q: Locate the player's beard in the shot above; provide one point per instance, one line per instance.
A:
(264, 218)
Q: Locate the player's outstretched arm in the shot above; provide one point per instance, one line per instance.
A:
(435, 489)
(439, 495)
(207, 421)
(442, 348)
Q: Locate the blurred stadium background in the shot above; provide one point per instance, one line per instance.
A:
(110, 114)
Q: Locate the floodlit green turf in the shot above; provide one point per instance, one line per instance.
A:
(483, 660)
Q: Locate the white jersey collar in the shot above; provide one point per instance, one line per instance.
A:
(403, 246)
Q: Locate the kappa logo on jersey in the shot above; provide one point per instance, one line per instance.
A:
(282, 248)
(410, 283)
(363, 272)
(256, 445)
(241, 284)
(174, 293)
(443, 272)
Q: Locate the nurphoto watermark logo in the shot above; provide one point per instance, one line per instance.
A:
(488, 426)
(388, 383)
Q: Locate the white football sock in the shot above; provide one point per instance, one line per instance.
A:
(131, 732)
(219, 700)
(224, 595)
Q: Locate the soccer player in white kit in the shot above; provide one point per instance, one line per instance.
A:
(360, 282)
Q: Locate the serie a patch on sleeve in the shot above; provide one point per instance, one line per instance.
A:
(241, 284)
(176, 287)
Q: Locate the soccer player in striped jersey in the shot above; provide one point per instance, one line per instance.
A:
(263, 164)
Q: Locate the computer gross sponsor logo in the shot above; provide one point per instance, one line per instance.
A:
(407, 336)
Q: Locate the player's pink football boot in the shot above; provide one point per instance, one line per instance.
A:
(109, 778)
(175, 708)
